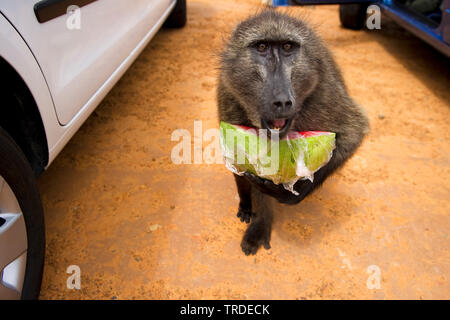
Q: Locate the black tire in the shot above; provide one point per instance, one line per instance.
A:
(17, 172)
(178, 17)
(353, 16)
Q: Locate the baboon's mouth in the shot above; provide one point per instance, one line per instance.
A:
(279, 126)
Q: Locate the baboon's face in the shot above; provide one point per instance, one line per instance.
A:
(270, 69)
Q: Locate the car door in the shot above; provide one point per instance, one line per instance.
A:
(80, 50)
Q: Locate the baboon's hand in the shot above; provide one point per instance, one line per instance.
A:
(244, 214)
(257, 235)
(275, 190)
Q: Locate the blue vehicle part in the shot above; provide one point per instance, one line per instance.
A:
(433, 35)
(277, 3)
(437, 35)
(306, 2)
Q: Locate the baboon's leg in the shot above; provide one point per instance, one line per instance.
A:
(245, 198)
(258, 232)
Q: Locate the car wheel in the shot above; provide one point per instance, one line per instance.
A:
(353, 16)
(178, 17)
(22, 233)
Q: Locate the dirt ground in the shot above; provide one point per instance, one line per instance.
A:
(141, 227)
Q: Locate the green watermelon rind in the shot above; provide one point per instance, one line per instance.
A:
(305, 154)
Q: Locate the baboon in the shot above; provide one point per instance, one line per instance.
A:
(277, 74)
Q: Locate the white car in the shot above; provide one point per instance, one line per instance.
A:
(58, 60)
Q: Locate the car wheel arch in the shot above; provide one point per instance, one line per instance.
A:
(21, 118)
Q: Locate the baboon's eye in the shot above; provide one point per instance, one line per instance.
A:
(262, 46)
(288, 46)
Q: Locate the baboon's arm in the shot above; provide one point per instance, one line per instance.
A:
(258, 232)
(244, 188)
(303, 187)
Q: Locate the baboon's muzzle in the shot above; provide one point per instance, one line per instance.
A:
(280, 102)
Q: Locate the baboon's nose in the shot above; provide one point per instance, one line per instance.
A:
(282, 106)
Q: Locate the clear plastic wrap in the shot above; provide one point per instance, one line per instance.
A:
(297, 156)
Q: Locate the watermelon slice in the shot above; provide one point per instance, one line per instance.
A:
(297, 156)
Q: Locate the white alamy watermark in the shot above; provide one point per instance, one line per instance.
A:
(374, 280)
(207, 147)
(73, 21)
(373, 20)
(74, 280)
(182, 152)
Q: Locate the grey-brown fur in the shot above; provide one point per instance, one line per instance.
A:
(321, 103)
